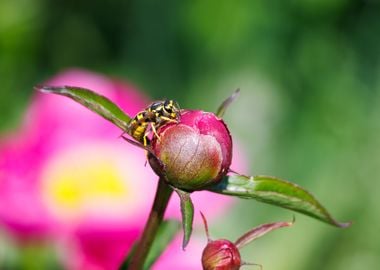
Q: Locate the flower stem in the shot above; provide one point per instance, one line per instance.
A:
(155, 219)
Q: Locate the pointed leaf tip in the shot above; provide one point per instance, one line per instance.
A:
(38, 87)
(91, 100)
(343, 225)
(49, 89)
(277, 192)
(187, 211)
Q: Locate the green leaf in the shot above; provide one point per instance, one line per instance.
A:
(187, 211)
(277, 192)
(166, 233)
(93, 101)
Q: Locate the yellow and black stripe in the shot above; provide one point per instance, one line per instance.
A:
(153, 117)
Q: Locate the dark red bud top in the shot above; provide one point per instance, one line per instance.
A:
(221, 255)
(195, 152)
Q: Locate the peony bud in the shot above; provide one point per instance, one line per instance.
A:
(221, 255)
(224, 255)
(193, 153)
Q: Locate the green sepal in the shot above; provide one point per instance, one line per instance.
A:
(260, 231)
(187, 212)
(93, 101)
(166, 233)
(226, 103)
(277, 192)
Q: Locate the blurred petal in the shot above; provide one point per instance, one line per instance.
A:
(65, 174)
(176, 258)
(55, 129)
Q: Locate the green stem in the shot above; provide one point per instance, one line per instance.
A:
(155, 219)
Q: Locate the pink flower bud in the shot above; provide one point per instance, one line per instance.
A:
(221, 255)
(195, 152)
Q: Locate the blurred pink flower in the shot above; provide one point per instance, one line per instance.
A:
(188, 259)
(66, 175)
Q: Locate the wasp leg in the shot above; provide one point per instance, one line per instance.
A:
(138, 144)
(155, 131)
(145, 140)
(168, 119)
(149, 151)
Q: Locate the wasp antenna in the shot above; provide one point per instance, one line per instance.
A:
(223, 107)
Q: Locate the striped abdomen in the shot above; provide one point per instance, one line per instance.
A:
(139, 125)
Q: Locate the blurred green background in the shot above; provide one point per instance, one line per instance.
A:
(309, 73)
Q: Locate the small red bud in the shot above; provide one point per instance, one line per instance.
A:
(221, 255)
(195, 152)
(224, 255)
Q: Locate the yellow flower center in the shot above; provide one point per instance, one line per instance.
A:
(89, 181)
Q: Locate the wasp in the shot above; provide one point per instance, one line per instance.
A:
(152, 118)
